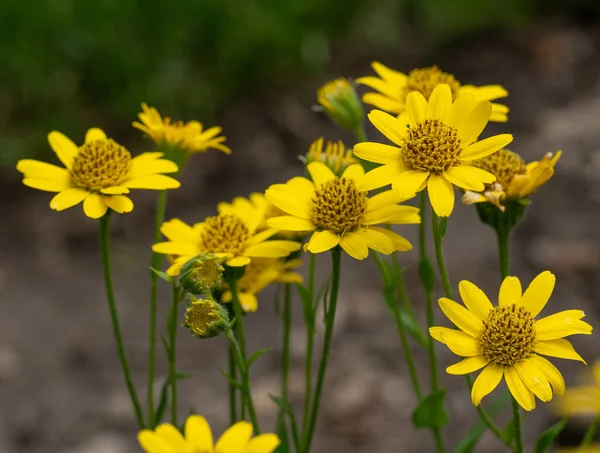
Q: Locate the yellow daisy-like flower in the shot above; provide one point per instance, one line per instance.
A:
(393, 88)
(97, 173)
(335, 155)
(583, 400)
(338, 211)
(514, 178)
(259, 274)
(506, 341)
(199, 439)
(229, 235)
(436, 151)
(189, 136)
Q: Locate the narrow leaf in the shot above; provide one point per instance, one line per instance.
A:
(237, 384)
(256, 355)
(427, 275)
(163, 275)
(548, 436)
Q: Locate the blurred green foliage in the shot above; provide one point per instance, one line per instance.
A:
(70, 64)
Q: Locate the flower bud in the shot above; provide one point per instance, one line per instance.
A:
(335, 155)
(202, 273)
(339, 100)
(206, 318)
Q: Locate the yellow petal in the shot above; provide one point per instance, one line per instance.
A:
(396, 78)
(171, 436)
(383, 86)
(354, 245)
(393, 214)
(379, 177)
(265, 443)
(64, 148)
(42, 170)
(436, 333)
(383, 102)
(94, 206)
(562, 349)
(551, 372)
(272, 249)
(235, 438)
(262, 236)
(460, 343)
(485, 92)
(518, 389)
(400, 243)
(439, 102)
(485, 147)
(198, 433)
(441, 195)
(152, 443)
(561, 325)
(468, 365)
(538, 293)
(475, 122)
(486, 382)
(150, 167)
(321, 241)
(295, 202)
(510, 292)
(460, 109)
(179, 231)
(47, 185)
(291, 223)
(475, 299)
(377, 152)
(68, 198)
(175, 248)
(461, 317)
(248, 301)
(383, 199)
(408, 182)
(416, 108)
(174, 269)
(354, 171)
(114, 190)
(469, 177)
(375, 240)
(320, 173)
(238, 261)
(388, 126)
(534, 379)
(94, 133)
(119, 203)
(152, 182)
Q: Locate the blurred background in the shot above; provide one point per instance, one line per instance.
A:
(253, 67)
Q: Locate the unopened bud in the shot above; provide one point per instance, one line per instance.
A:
(341, 103)
(202, 273)
(206, 318)
(333, 154)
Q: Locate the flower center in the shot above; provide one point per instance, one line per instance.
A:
(100, 164)
(224, 233)
(338, 206)
(508, 335)
(431, 146)
(426, 79)
(504, 164)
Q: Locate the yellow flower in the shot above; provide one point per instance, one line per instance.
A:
(335, 155)
(259, 274)
(98, 173)
(188, 136)
(338, 211)
(436, 151)
(199, 439)
(583, 400)
(394, 86)
(508, 341)
(228, 235)
(339, 100)
(514, 179)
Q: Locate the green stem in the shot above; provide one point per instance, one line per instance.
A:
(439, 254)
(360, 134)
(114, 316)
(233, 416)
(329, 322)
(517, 424)
(485, 417)
(155, 263)
(310, 339)
(401, 287)
(286, 353)
(239, 327)
(503, 234)
(590, 433)
(242, 366)
(173, 353)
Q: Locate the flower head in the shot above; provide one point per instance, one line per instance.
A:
(335, 155)
(514, 179)
(199, 439)
(188, 136)
(436, 151)
(338, 211)
(582, 400)
(206, 318)
(202, 273)
(259, 274)
(507, 341)
(232, 236)
(393, 88)
(339, 100)
(98, 173)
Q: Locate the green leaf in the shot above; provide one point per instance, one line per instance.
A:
(163, 275)
(256, 355)
(284, 446)
(509, 432)
(164, 397)
(284, 405)
(431, 412)
(443, 224)
(237, 384)
(548, 436)
(414, 329)
(427, 275)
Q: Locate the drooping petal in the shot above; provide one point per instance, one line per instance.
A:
(510, 291)
(94, 206)
(408, 182)
(535, 379)
(94, 133)
(439, 102)
(68, 198)
(441, 195)
(518, 389)
(475, 299)
(152, 182)
(486, 382)
(321, 241)
(377, 152)
(119, 203)
(461, 317)
(248, 301)
(376, 240)
(114, 190)
(320, 173)
(238, 261)
(354, 245)
(291, 223)
(401, 244)
(388, 126)
(272, 249)
(468, 365)
(379, 177)
(538, 293)
(416, 108)
(64, 148)
(198, 433)
(469, 177)
(561, 325)
(392, 214)
(235, 438)
(562, 349)
(264, 443)
(556, 379)
(485, 147)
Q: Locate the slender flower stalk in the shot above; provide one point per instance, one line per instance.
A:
(172, 356)
(287, 342)
(239, 330)
(114, 317)
(309, 319)
(590, 433)
(517, 423)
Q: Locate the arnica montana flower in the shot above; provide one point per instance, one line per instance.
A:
(514, 179)
(188, 136)
(259, 274)
(199, 439)
(335, 155)
(339, 100)
(393, 88)
(206, 318)
(338, 211)
(436, 151)
(506, 341)
(98, 173)
(583, 400)
(227, 235)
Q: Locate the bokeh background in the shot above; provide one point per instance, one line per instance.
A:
(253, 68)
